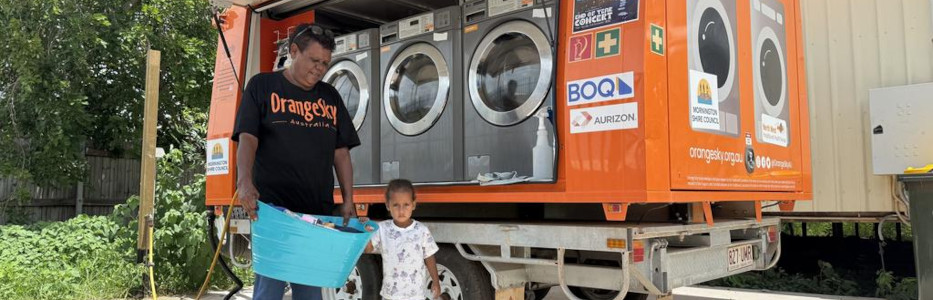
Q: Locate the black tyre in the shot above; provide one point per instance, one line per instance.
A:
(365, 281)
(461, 279)
(538, 294)
(598, 294)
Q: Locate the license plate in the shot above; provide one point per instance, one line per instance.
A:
(741, 257)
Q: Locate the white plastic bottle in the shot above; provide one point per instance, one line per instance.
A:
(542, 154)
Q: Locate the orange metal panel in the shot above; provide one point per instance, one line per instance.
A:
(657, 129)
(604, 160)
(713, 161)
(225, 99)
(803, 105)
(271, 31)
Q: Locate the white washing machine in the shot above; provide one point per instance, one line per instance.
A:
(354, 72)
(712, 44)
(509, 68)
(421, 98)
(769, 54)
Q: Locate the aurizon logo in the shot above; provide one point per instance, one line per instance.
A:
(309, 110)
(582, 119)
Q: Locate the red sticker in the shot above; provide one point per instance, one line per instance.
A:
(581, 47)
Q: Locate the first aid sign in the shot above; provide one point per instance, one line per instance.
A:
(600, 89)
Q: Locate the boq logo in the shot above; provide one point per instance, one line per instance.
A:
(602, 88)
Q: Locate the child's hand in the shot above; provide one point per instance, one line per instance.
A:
(436, 289)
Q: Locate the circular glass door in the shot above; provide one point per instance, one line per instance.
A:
(416, 89)
(510, 73)
(713, 43)
(350, 81)
(770, 72)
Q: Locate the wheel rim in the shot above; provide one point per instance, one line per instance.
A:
(450, 285)
(353, 290)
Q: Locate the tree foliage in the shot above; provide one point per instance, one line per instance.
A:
(72, 77)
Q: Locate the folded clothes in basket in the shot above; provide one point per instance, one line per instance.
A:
(311, 219)
(315, 221)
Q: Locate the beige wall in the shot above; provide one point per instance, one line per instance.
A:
(853, 46)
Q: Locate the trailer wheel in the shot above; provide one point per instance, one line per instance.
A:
(364, 282)
(461, 279)
(598, 294)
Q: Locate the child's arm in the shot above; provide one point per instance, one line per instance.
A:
(375, 242)
(369, 248)
(432, 269)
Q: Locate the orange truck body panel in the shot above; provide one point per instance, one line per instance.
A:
(648, 164)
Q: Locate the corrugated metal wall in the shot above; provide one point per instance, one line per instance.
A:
(853, 46)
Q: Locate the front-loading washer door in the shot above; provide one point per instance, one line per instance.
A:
(510, 73)
(713, 43)
(348, 78)
(416, 89)
(770, 72)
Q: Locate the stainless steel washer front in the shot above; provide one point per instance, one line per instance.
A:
(510, 73)
(352, 84)
(416, 89)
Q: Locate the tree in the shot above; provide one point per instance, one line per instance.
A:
(72, 77)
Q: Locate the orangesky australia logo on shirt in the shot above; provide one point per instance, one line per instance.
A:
(314, 113)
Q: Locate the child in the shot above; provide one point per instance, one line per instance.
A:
(407, 247)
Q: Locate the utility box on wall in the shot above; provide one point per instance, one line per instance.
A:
(902, 133)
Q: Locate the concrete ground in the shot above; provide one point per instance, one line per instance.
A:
(684, 293)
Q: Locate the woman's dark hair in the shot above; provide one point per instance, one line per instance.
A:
(400, 185)
(306, 33)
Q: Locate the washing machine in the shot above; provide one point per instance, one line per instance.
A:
(712, 46)
(354, 72)
(769, 55)
(508, 62)
(421, 98)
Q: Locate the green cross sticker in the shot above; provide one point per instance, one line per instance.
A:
(657, 39)
(607, 43)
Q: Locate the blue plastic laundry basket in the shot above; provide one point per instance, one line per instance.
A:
(291, 250)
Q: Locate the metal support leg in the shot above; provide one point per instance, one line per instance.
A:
(654, 290)
(774, 261)
(563, 283)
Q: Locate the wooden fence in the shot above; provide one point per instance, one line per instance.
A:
(110, 181)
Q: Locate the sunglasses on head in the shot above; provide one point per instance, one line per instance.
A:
(315, 29)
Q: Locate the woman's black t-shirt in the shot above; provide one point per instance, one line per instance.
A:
(298, 131)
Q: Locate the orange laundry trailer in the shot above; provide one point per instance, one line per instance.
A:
(564, 106)
(661, 102)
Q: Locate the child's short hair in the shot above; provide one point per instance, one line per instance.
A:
(400, 185)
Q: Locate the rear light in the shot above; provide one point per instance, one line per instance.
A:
(638, 252)
(615, 243)
(772, 234)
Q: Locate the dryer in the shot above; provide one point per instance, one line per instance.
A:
(421, 98)
(354, 72)
(769, 42)
(712, 46)
(508, 61)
